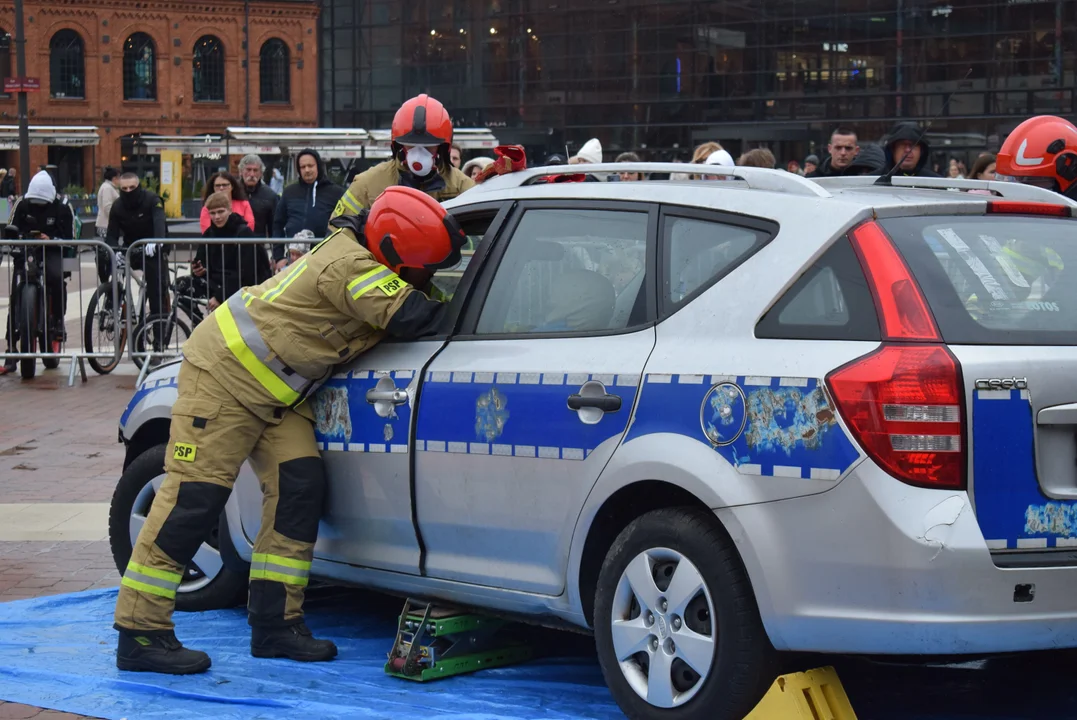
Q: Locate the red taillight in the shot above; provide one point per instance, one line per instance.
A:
(1013, 207)
(903, 312)
(904, 405)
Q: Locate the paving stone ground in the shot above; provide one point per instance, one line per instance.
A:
(58, 444)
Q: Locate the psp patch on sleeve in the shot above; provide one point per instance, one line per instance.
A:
(185, 452)
(391, 286)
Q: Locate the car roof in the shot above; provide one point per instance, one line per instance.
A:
(773, 194)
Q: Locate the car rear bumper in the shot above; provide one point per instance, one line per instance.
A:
(876, 566)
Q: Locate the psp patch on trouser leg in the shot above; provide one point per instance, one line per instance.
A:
(293, 496)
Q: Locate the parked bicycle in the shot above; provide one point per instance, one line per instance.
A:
(104, 323)
(105, 320)
(28, 321)
(191, 297)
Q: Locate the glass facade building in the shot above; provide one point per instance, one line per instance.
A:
(659, 76)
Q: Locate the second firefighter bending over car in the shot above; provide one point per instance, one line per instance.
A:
(246, 372)
(421, 139)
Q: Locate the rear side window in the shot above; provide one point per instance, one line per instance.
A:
(831, 301)
(697, 252)
(995, 279)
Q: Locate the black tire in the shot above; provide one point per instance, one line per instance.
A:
(226, 590)
(28, 332)
(102, 366)
(744, 662)
(174, 328)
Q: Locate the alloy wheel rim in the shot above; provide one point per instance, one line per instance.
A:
(207, 563)
(663, 629)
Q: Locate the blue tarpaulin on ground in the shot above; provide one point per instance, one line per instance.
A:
(59, 652)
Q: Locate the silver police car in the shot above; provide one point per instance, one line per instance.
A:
(708, 421)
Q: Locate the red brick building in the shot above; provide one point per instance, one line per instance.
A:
(164, 67)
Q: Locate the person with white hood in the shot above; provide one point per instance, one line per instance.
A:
(41, 214)
(474, 166)
(591, 152)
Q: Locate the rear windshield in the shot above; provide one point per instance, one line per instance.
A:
(993, 280)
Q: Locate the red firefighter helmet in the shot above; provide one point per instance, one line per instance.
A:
(422, 121)
(1042, 151)
(407, 228)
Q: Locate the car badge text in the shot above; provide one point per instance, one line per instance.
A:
(1013, 383)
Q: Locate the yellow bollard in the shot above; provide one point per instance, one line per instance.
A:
(811, 695)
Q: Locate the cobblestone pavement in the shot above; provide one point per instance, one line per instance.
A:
(58, 444)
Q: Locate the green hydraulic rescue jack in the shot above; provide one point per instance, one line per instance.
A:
(437, 642)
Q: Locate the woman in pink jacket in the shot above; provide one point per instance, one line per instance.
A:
(224, 182)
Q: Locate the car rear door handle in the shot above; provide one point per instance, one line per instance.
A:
(396, 397)
(1058, 415)
(605, 403)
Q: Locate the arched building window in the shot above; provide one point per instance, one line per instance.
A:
(139, 68)
(67, 65)
(274, 72)
(208, 69)
(6, 63)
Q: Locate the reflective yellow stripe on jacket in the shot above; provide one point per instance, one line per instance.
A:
(246, 343)
(347, 203)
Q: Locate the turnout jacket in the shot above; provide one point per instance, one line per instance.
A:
(275, 343)
(369, 184)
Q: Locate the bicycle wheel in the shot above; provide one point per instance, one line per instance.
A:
(102, 326)
(28, 311)
(162, 333)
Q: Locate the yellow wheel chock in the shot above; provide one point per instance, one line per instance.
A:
(811, 695)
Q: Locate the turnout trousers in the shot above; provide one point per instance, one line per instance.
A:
(211, 436)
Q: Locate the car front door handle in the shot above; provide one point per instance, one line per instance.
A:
(396, 397)
(605, 403)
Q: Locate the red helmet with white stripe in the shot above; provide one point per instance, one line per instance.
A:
(1041, 151)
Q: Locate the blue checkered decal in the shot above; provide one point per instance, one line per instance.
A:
(1012, 510)
(346, 422)
(147, 387)
(516, 414)
(767, 426)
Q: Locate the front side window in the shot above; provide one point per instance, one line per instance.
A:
(67, 73)
(139, 68)
(570, 271)
(208, 69)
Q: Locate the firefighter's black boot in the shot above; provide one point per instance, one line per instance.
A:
(158, 652)
(294, 642)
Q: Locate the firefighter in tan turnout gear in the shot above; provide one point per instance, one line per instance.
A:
(246, 372)
(421, 138)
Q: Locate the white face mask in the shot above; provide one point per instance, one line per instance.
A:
(419, 160)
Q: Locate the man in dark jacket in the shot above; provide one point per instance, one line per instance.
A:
(229, 267)
(263, 200)
(906, 147)
(841, 151)
(870, 160)
(306, 205)
(137, 215)
(9, 186)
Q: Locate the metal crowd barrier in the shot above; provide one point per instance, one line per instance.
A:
(168, 298)
(171, 295)
(78, 262)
